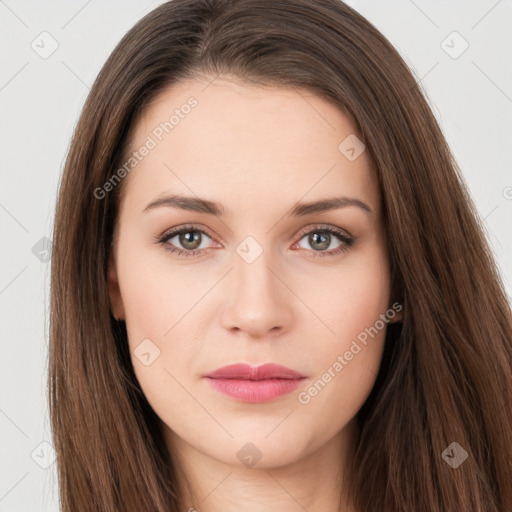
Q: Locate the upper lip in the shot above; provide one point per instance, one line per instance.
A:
(245, 371)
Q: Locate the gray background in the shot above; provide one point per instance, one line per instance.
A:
(41, 98)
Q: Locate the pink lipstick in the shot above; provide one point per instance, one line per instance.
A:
(255, 384)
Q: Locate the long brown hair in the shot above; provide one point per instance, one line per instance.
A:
(446, 375)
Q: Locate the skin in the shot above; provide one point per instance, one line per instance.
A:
(258, 151)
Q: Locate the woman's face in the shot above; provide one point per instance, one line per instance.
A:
(258, 279)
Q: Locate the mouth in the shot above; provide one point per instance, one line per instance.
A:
(255, 384)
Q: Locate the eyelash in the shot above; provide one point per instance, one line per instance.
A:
(348, 241)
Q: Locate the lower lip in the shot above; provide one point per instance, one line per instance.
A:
(255, 390)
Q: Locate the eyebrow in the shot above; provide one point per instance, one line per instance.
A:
(199, 205)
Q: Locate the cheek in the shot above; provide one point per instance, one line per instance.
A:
(156, 294)
(165, 320)
(348, 359)
(350, 297)
(346, 373)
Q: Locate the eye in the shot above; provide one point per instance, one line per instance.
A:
(189, 237)
(321, 238)
(189, 241)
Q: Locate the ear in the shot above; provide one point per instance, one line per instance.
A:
(399, 315)
(116, 302)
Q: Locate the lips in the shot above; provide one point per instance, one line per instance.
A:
(263, 372)
(254, 384)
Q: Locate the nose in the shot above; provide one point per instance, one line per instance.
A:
(258, 301)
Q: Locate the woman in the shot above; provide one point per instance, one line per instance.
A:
(270, 289)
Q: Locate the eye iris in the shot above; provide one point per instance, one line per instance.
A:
(190, 242)
(324, 239)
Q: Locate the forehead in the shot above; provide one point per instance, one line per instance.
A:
(225, 138)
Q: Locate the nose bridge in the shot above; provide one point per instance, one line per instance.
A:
(252, 271)
(259, 301)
